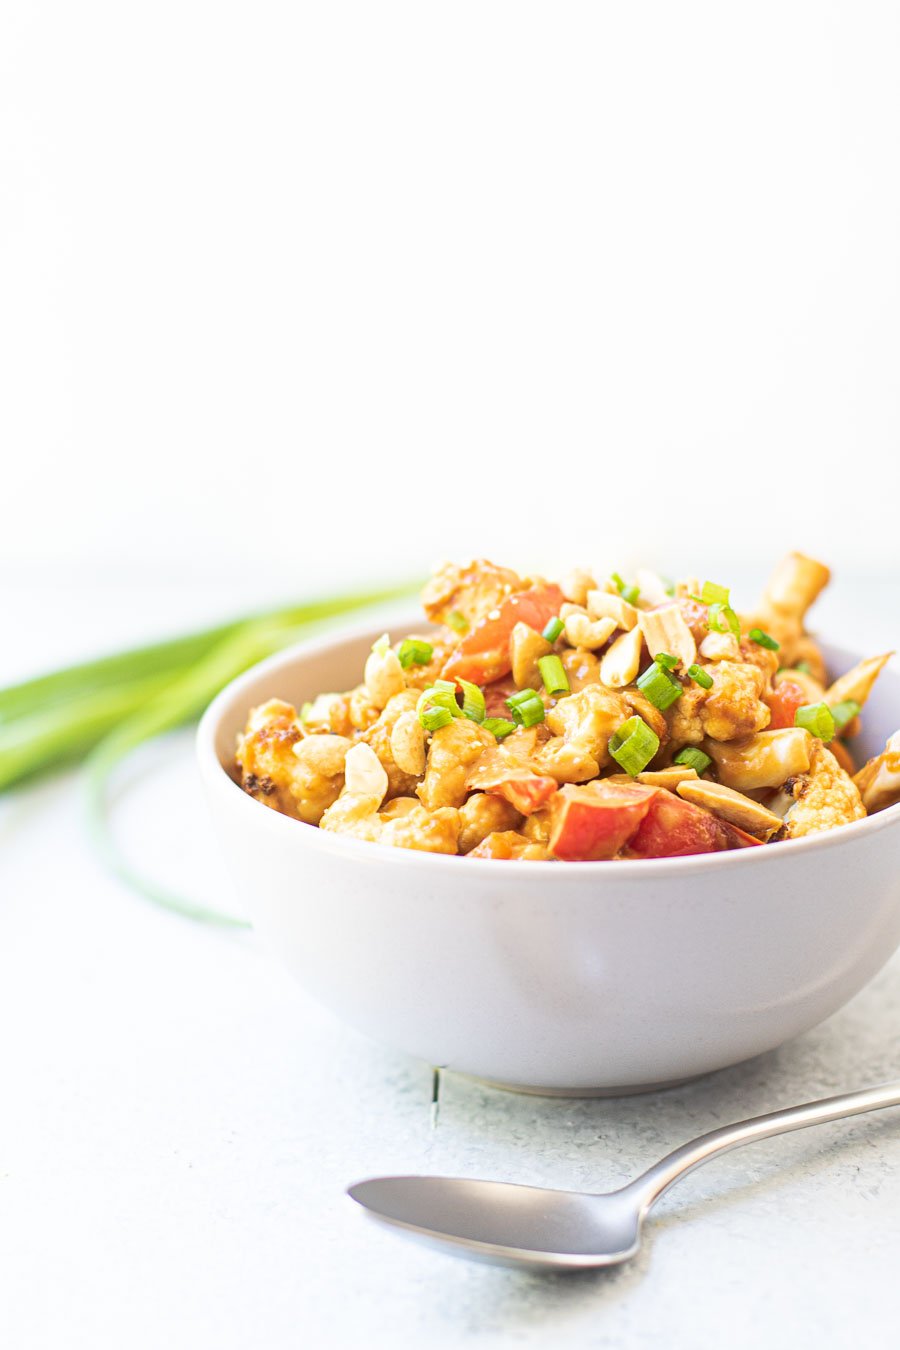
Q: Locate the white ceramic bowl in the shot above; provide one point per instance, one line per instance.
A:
(557, 977)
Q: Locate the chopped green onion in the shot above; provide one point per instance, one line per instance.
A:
(527, 708)
(305, 711)
(498, 727)
(555, 679)
(633, 745)
(817, 718)
(415, 652)
(104, 709)
(665, 660)
(722, 619)
(630, 594)
(473, 701)
(553, 629)
(692, 758)
(458, 622)
(659, 686)
(844, 712)
(433, 719)
(711, 594)
(763, 640)
(382, 646)
(701, 677)
(668, 585)
(441, 694)
(804, 667)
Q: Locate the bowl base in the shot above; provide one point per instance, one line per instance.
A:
(631, 1090)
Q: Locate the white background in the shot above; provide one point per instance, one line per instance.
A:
(298, 291)
(295, 296)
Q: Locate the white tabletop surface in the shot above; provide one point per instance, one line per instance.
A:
(178, 1123)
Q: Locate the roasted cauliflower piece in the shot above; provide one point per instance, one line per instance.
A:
(507, 845)
(585, 721)
(428, 831)
(734, 707)
(380, 735)
(823, 798)
(453, 751)
(296, 775)
(460, 596)
(484, 813)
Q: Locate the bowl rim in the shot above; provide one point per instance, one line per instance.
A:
(216, 775)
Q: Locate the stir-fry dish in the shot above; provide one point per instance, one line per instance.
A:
(591, 719)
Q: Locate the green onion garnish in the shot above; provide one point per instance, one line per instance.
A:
(458, 622)
(527, 708)
(556, 681)
(711, 594)
(763, 639)
(434, 718)
(553, 629)
(473, 701)
(844, 712)
(659, 686)
(804, 667)
(817, 718)
(414, 652)
(441, 694)
(102, 710)
(665, 660)
(701, 677)
(633, 745)
(692, 758)
(630, 594)
(498, 727)
(722, 619)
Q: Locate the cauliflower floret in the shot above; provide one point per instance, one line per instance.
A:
(482, 814)
(362, 711)
(378, 735)
(422, 676)
(453, 751)
(470, 592)
(296, 775)
(508, 844)
(427, 831)
(685, 718)
(823, 798)
(585, 721)
(733, 707)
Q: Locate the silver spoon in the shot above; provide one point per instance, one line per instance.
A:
(568, 1230)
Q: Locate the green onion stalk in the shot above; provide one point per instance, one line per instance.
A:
(99, 711)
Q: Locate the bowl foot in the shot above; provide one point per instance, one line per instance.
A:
(631, 1090)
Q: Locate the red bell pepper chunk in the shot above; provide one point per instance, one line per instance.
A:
(784, 700)
(522, 784)
(673, 827)
(483, 654)
(594, 821)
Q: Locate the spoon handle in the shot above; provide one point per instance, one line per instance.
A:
(651, 1184)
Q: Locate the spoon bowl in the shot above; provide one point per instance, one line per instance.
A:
(569, 1230)
(507, 1224)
